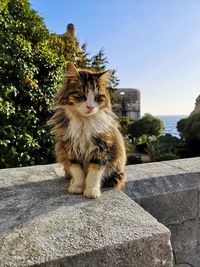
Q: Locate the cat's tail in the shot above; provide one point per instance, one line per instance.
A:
(116, 179)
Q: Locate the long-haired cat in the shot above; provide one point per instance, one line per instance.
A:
(88, 142)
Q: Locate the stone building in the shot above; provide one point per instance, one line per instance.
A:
(127, 102)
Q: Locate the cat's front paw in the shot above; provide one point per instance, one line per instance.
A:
(75, 189)
(92, 192)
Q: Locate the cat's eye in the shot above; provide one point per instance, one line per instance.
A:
(99, 98)
(80, 97)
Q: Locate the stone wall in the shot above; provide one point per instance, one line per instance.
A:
(170, 192)
(42, 225)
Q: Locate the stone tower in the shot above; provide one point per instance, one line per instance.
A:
(71, 30)
(128, 103)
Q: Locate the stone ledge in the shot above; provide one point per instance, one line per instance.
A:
(42, 225)
(168, 190)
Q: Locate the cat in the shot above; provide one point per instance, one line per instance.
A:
(88, 142)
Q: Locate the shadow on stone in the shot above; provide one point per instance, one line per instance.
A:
(21, 203)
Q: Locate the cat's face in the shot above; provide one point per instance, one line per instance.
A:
(85, 91)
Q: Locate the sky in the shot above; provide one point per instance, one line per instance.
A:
(153, 44)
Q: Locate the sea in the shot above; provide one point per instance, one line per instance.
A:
(170, 122)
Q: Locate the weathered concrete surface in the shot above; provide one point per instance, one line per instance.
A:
(42, 225)
(170, 192)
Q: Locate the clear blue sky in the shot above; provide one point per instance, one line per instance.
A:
(153, 44)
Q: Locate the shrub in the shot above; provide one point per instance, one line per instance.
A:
(189, 129)
(129, 146)
(165, 147)
(133, 159)
(124, 122)
(146, 126)
(141, 147)
(166, 156)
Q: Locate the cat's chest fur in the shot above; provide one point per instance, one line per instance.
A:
(82, 132)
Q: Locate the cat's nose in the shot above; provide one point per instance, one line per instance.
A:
(90, 107)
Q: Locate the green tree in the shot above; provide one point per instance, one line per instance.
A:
(165, 147)
(30, 73)
(68, 47)
(146, 126)
(99, 63)
(189, 129)
(31, 70)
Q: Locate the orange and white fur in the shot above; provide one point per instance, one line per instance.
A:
(88, 142)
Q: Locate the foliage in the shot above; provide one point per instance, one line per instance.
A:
(134, 159)
(166, 156)
(30, 73)
(68, 48)
(141, 146)
(124, 122)
(99, 63)
(189, 129)
(159, 150)
(142, 131)
(174, 144)
(129, 146)
(31, 69)
(145, 127)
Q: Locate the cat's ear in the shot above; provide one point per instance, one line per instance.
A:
(70, 71)
(104, 77)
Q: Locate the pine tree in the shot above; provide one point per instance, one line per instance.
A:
(99, 63)
(83, 61)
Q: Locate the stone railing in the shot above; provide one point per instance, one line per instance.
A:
(42, 225)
